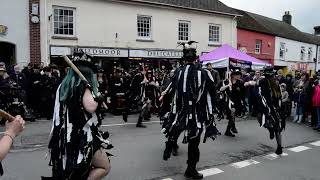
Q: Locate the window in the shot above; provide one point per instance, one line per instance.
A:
(258, 46)
(282, 50)
(184, 31)
(144, 27)
(310, 53)
(214, 34)
(64, 21)
(303, 52)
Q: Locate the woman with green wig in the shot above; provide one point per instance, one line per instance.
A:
(77, 147)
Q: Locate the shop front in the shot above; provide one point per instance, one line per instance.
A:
(156, 59)
(293, 67)
(111, 58)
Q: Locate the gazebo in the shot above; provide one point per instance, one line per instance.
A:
(227, 56)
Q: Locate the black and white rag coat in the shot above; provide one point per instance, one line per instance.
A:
(75, 137)
(188, 104)
(269, 107)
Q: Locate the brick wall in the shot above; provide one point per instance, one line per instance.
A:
(35, 51)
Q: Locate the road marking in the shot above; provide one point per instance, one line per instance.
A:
(245, 163)
(125, 124)
(167, 179)
(317, 143)
(274, 156)
(299, 149)
(210, 172)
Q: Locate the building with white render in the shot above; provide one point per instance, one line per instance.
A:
(114, 31)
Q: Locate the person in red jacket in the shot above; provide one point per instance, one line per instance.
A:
(316, 100)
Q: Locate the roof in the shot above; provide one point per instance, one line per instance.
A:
(213, 6)
(263, 24)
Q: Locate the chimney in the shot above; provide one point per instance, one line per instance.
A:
(317, 30)
(287, 18)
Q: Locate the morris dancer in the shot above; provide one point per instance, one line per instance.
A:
(78, 148)
(190, 110)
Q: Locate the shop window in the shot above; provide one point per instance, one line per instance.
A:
(144, 27)
(184, 30)
(310, 53)
(258, 46)
(214, 34)
(64, 21)
(282, 50)
(303, 53)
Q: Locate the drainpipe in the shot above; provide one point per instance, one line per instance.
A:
(232, 26)
(316, 59)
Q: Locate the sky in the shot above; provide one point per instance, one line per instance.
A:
(305, 13)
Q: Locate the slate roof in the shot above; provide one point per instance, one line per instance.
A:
(259, 23)
(214, 6)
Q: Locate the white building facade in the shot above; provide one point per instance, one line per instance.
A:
(14, 32)
(119, 29)
(295, 55)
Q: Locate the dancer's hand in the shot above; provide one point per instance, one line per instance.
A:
(15, 127)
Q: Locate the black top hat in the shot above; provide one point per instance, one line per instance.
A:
(268, 71)
(236, 71)
(81, 58)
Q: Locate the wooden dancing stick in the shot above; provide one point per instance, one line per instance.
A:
(6, 115)
(74, 67)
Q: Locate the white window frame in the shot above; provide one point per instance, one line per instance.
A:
(302, 53)
(219, 34)
(310, 50)
(150, 28)
(257, 49)
(283, 50)
(74, 21)
(189, 30)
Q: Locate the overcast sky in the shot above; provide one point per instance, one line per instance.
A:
(305, 13)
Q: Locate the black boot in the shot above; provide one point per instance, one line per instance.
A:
(279, 150)
(229, 133)
(234, 129)
(125, 117)
(175, 150)
(192, 173)
(139, 123)
(141, 126)
(167, 152)
(271, 131)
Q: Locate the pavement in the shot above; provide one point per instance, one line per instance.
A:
(138, 153)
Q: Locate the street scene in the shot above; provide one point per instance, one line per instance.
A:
(159, 90)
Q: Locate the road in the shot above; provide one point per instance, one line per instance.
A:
(138, 153)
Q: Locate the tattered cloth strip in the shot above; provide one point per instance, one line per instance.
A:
(1, 169)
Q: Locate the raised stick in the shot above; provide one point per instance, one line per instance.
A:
(6, 115)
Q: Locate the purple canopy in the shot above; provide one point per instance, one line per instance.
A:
(227, 52)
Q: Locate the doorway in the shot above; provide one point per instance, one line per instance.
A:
(7, 53)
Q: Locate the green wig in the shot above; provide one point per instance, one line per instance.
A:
(72, 87)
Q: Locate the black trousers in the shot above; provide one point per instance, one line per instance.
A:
(193, 151)
(193, 148)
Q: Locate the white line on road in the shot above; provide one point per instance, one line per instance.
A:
(167, 179)
(299, 149)
(274, 156)
(125, 124)
(210, 172)
(317, 143)
(245, 163)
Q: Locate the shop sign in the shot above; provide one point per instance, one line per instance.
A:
(3, 30)
(156, 53)
(60, 51)
(234, 63)
(105, 52)
(302, 67)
